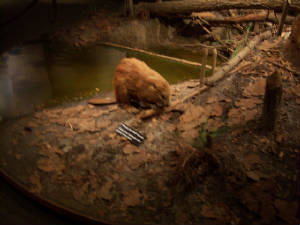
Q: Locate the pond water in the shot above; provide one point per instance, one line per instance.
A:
(31, 76)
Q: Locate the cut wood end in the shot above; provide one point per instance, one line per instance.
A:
(274, 81)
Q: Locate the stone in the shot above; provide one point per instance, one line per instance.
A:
(137, 84)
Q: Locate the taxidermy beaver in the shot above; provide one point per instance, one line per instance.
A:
(138, 85)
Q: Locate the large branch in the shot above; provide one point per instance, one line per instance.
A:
(245, 18)
(189, 6)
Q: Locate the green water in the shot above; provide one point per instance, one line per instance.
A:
(94, 67)
(31, 76)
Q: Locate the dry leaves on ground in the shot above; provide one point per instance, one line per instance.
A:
(257, 88)
(192, 117)
(131, 198)
(51, 164)
(219, 212)
(36, 186)
(239, 116)
(214, 124)
(104, 191)
(137, 160)
(83, 124)
(217, 110)
(129, 149)
(52, 161)
(79, 193)
(250, 160)
(248, 103)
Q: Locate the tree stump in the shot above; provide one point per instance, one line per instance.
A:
(272, 102)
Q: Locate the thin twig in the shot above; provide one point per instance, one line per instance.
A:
(286, 68)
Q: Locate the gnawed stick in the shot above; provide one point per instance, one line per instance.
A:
(183, 61)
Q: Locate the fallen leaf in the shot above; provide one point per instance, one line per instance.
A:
(254, 176)
(192, 117)
(234, 117)
(104, 191)
(281, 155)
(150, 137)
(87, 125)
(79, 193)
(129, 149)
(36, 186)
(32, 124)
(72, 110)
(103, 123)
(51, 164)
(136, 160)
(214, 124)
(217, 110)
(84, 124)
(190, 135)
(250, 160)
(131, 198)
(91, 113)
(257, 88)
(191, 113)
(211, 99)
(248, 103)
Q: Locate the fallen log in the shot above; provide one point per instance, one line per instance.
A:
(189, 6)
(220, 73)
(247, 18)
(183, 61)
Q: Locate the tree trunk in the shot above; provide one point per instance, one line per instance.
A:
(189, 6)
(272, 102)
(128, 8)
(131, 10)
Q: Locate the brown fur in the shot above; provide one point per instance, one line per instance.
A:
(136, 83)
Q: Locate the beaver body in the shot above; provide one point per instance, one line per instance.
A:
(137, 84)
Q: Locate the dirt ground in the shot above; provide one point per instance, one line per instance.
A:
(207, 161)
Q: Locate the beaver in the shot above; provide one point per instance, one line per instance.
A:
(135, 83)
